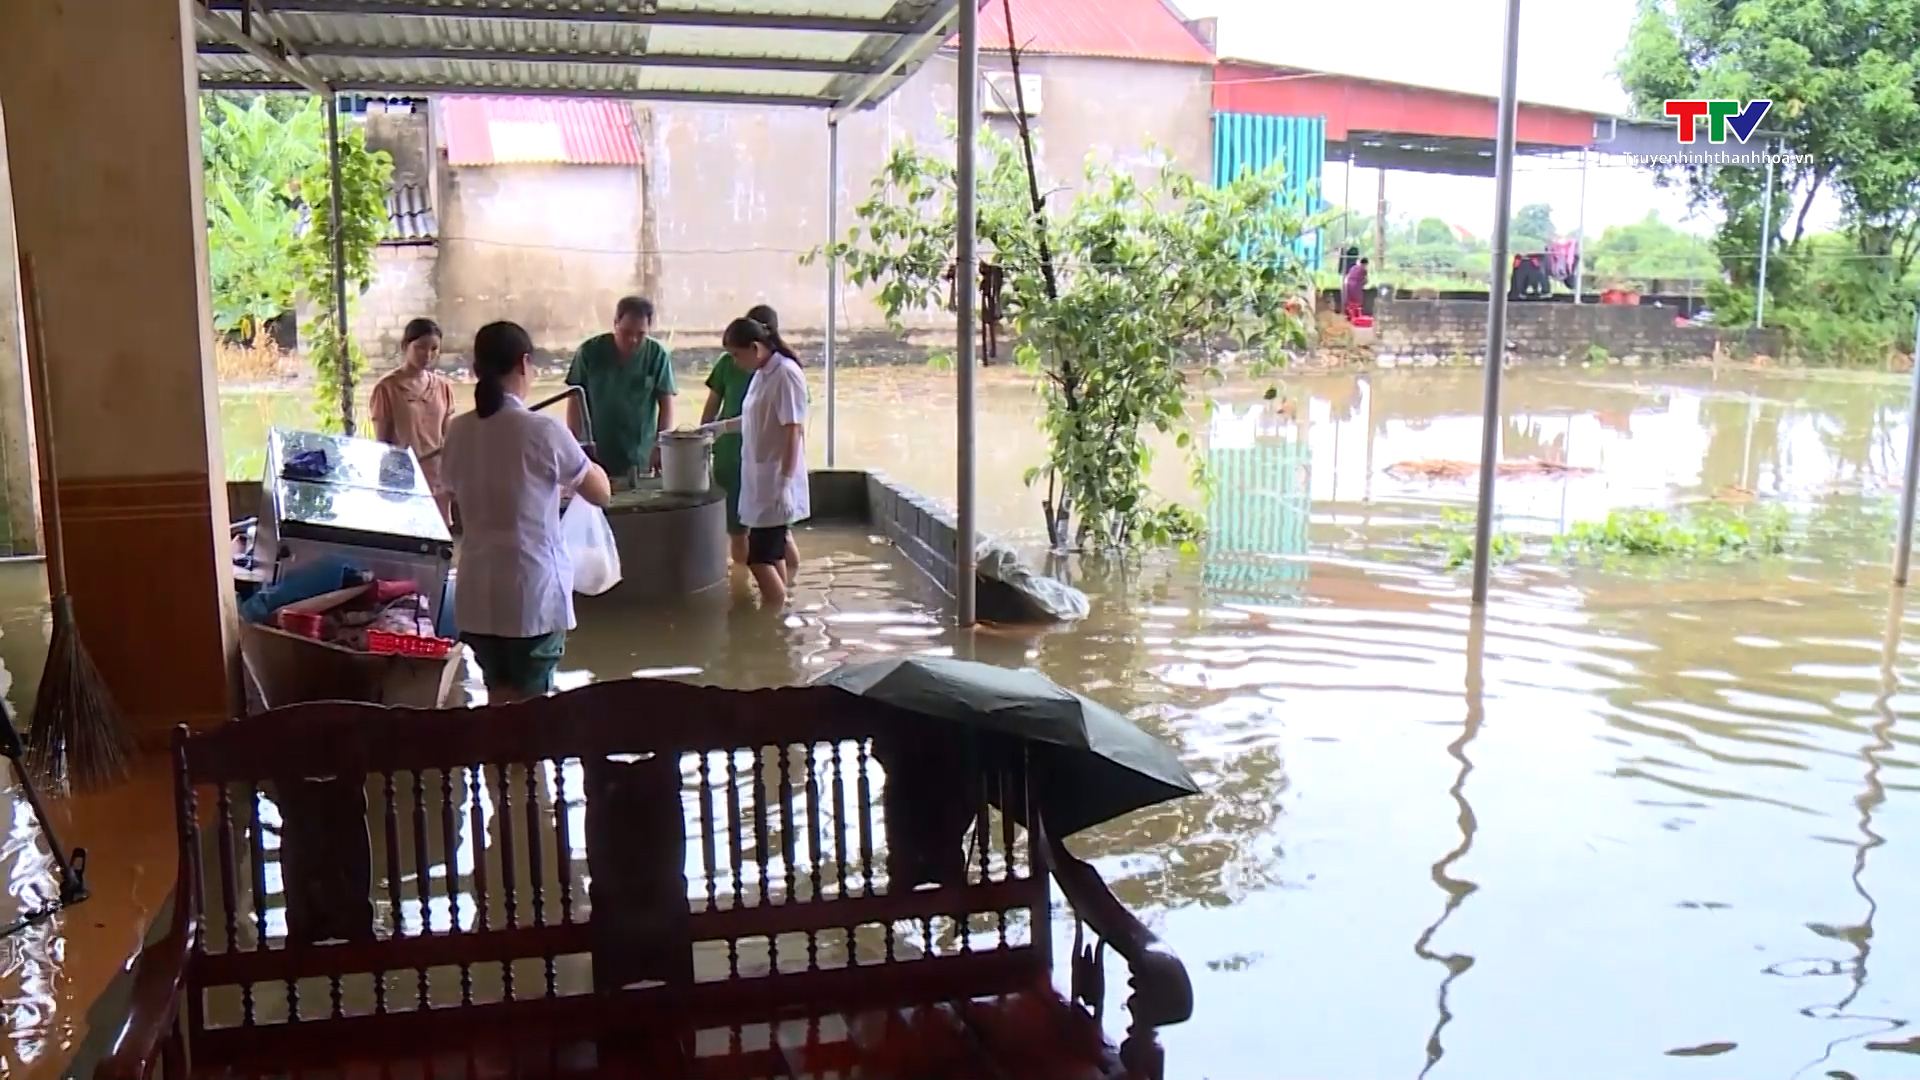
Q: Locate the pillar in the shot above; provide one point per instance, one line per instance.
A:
(103, 146)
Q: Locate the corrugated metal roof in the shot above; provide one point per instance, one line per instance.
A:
(821, 53)
(501, 131)
(410, 217)
(1117, 29)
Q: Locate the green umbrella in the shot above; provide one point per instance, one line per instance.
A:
(1091, 764)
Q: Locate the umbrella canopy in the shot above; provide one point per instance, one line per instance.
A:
(1092, 764)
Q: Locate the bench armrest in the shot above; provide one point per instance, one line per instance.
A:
(1162, 991)
(151, 1035)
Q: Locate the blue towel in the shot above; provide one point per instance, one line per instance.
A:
(303, 581)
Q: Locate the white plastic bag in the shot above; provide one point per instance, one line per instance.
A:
(589, 540)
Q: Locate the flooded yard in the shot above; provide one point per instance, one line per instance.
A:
(1646, 818)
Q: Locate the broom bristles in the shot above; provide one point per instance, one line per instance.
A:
(78, 740)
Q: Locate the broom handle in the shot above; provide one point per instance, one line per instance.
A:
(43, 431)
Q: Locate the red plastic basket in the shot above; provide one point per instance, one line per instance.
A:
(386, 644)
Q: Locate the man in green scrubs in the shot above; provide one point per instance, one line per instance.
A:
(628, 377)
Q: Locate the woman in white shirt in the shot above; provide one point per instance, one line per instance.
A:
(773, 452)
(507, 469)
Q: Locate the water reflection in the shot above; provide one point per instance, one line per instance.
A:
(1872, 796)
(1455, 889)
(1678, 795)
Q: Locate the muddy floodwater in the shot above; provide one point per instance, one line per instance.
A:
(1647, 819)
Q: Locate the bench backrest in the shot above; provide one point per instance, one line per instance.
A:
(706, 852)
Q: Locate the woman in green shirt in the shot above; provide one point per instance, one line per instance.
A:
(726, 395)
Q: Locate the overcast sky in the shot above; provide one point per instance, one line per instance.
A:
(1568, 50)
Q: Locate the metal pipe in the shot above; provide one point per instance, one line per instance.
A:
(1580, 232)
(717, 62)
(1766, 242)
(342, 343)
(1346, 209)
(1903, 547)
(833, 280)
(275, 64)
(920, 42)
(966, 293)
(634, 15)
(405, 88)
(1497, 303)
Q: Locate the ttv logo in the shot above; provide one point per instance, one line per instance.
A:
(1740, 118)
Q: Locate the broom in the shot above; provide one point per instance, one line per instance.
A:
(77, 740)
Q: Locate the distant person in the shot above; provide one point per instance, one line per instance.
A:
(773, 453)
(1353, 291)
(727, 387)
(628, 378)
(508, 468)
(412, 405)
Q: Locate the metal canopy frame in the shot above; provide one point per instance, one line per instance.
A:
(834, 55)
(809, 53)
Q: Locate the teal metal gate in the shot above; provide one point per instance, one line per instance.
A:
(1255, 141)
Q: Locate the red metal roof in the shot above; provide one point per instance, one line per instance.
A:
(1119, 29)
(503, 131)
(1351, 103)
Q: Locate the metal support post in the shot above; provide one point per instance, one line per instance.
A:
(342, 344)
(967, 291)
(833, 281)
(1497, 303)
(1903, 547)
(1580, 233)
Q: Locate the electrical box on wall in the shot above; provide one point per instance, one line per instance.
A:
(1001, 98)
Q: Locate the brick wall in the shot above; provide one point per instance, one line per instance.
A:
(403, 289)
(1443, 330)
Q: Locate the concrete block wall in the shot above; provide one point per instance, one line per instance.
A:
(919, 528)
(404, 288)
(1441, 330)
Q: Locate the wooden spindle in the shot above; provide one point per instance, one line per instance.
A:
(1006, 843)
(450, 849)
(230, 893)
(840, 818)
(390, 821)
(537, 865)
(423, 875)
(563, 836)
(187, 811)
(764, 824)
(709, 857)
(789, 831)
(983, 839)
(814, 829)
(229, 870)
(864, 783)
(503, 813)
(735, 842)
(257, 853)
(473, 781)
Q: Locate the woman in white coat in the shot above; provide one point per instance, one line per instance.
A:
(773, 452)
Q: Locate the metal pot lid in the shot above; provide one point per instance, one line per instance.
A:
(686, 436)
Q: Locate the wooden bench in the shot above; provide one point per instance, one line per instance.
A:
(639, 878)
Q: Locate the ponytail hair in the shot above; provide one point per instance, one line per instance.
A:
(498, 349)
(760, 327)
